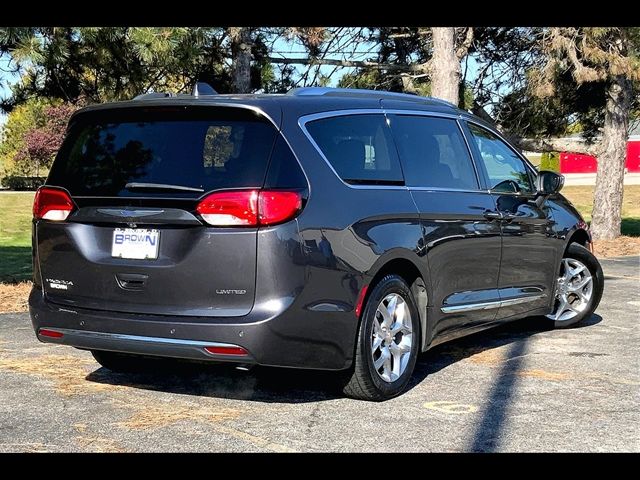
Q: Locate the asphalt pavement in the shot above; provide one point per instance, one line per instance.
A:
(517, 388)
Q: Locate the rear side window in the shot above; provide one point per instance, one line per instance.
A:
(359, 148)
(433, 152)
(202, 149)
(284, 169)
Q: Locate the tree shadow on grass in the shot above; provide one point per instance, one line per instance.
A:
(15, 264)
(630, 226)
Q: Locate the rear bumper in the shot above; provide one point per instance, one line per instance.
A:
(295, 338)
(165, 347)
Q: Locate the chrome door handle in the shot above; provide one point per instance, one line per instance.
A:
(492, 215)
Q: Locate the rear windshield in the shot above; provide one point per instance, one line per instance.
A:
(203, 149)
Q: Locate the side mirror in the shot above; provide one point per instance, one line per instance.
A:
(548, 183)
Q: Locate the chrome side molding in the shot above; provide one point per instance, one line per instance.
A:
(469, 307)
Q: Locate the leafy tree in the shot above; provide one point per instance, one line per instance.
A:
(41, 143)
(20, 121)
(610, 58)
(581, 79)
(117, 63)
(112, 63)
(574, 108)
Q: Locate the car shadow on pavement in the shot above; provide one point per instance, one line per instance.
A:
(260, 384)
(496, 404)
(447, 353)
(280, 385)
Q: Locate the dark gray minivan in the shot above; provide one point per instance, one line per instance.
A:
(331, 229)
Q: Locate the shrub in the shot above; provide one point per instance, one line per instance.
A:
(16, 182)
(550, 161)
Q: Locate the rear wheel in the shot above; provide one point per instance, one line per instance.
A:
(578, 288)
(387, 344)
(124, 362)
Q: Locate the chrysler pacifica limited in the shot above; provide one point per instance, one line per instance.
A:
(331, 229)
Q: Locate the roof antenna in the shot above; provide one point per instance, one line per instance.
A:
(202, 88)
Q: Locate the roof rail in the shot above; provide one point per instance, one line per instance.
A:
(152, 95)
(348, 92)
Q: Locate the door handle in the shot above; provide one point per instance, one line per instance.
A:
(492, 215)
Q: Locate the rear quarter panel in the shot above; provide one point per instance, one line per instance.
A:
(348, 234)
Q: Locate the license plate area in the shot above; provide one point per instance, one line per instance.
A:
(135, 243)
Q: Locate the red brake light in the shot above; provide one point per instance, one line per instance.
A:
(50, 333)
(249, 208)
(230, 208)
(52, 204)
(277, 206)
(230, 350)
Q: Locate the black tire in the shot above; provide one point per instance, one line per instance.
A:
(124, 362)
(580, 253)
(362, 381)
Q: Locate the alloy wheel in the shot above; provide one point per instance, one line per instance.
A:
(391, 338)
(574, 289)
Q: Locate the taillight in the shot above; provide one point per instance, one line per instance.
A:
(249, 208)
(227, 350)
(45, 332)
(225, 209)
(276, 206)
(52, 204)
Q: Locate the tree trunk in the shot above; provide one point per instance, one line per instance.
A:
(445, 65)
(241, 51)
(607, 201)
(542, 145)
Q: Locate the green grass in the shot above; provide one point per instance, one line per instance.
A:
(582, 198)
(535, 159)
(15, 236)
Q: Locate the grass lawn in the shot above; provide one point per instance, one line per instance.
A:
(15, 225)
(15, 236)
(582, 199)
(535, 159)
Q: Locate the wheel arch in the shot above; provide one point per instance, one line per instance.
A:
(403, 265)
(580, 236)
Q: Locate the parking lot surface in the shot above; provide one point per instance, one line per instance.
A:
(516, 388)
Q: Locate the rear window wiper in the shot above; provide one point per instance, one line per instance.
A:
(161, 186)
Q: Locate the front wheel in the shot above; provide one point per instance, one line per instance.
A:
(578, 289)
(388, 342)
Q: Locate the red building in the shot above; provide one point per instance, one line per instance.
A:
(579, 163)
